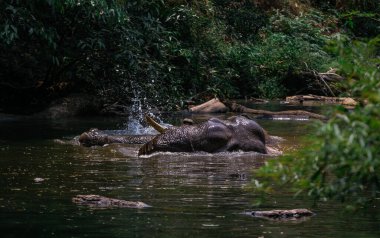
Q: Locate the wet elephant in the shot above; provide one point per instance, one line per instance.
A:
(237, 133)
(214, 135)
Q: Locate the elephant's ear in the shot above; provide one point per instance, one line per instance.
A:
(148, 147)
(155, 124)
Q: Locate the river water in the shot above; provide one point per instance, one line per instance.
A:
(199, 195)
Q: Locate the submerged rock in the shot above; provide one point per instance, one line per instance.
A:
(283, 214)
(97, 201)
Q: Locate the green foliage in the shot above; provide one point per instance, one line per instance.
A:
(288, 46)
(348, 5)
(243, 19)
(169, 50)
(257, 60)
(361, 24)
(102, 47)
(343, 160)
(366, 5)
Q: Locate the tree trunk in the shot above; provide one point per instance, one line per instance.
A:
(234, 107)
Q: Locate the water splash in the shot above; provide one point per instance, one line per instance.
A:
(136, 124)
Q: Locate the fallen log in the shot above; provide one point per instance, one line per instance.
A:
(97, 201)
(211, 106)
(283, 214)
(234, 107)
(347, 101)
(215, 105)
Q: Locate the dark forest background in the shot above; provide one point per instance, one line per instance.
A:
(171, 51)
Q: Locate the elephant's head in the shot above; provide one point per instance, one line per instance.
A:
(215, 135)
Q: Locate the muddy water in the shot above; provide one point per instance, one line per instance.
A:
(198, 195)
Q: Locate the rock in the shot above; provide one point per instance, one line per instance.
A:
(283, 214)
(349, 102)
(212, 106)
(97, 201)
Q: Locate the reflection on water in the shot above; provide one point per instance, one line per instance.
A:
(192, 195)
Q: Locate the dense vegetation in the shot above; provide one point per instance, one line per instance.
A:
(342, 162)
(169, 50)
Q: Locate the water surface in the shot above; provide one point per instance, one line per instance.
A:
(198, 195)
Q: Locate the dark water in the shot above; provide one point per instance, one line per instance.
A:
(191, 195)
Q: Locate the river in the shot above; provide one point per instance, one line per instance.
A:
(199, 195)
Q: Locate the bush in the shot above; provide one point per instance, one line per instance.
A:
(361, 24)
(109, 48)
(166, 51)
(343, 162)
(288, 46)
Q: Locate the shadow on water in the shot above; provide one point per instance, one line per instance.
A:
(197, 195)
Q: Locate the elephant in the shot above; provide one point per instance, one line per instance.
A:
(237, 133)
(214, 135)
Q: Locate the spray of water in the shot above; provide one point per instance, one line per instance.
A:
(136, 124)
